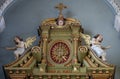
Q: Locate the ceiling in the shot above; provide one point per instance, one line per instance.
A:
(115, 4)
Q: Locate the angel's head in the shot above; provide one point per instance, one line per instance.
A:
(60, 20)
(99, 37)
(17, 39)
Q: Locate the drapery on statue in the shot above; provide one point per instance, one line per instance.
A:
(21, 45)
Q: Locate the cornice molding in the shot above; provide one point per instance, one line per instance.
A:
(4, 5)
(116, 5)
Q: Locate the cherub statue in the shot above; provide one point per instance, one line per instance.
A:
(21, 45)
(60, 21)
(97, 47)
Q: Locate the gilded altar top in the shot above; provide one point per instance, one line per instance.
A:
(60, 21)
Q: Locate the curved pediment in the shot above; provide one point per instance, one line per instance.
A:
(53, 22)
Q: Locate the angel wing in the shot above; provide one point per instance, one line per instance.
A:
(29, 41)
(87, 38)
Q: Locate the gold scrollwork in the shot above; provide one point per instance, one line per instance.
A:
(83, 49)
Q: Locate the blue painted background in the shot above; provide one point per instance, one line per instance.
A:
(24, 17)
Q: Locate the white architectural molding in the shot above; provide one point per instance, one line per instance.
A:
(2, 23)
(116, 5)
(2, 8)
(4, 5)
(117, 23)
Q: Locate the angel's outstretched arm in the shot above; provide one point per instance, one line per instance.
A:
(10, 48)
(104, 48)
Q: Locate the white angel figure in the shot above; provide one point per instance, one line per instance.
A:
(98, 48)
(21, 45)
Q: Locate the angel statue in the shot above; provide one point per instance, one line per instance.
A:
(97, 47)
(21, 45)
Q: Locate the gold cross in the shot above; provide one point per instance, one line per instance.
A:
(60, 7)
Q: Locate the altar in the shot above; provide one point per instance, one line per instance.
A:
(60, 54)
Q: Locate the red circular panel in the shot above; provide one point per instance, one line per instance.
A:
(60, 52)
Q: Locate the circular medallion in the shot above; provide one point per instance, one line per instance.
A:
(60, 52)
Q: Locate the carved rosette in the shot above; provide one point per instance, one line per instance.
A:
(59, 52)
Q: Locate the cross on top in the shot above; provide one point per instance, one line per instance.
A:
(60, 7)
